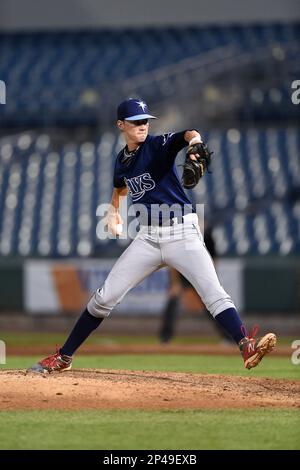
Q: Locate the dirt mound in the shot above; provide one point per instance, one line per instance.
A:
(124, 389)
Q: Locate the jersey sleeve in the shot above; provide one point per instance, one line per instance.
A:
(174, 142)
(170, 144)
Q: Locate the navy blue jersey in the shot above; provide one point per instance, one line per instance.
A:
(150, 173)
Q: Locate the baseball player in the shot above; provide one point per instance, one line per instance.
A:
(145, 168)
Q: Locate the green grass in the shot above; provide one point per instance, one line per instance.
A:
(279, 367)
(192, 429)
(42, 339)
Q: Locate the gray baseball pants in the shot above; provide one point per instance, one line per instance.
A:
(180, 246)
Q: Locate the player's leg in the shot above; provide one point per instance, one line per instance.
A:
(139, 260)
(188, 254)
(225, 338)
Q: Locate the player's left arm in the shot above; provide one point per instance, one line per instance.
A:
(197, 161)
(189, 135)
(192, 137)
(172, 142)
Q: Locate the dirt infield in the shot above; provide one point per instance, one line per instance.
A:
(124, 389)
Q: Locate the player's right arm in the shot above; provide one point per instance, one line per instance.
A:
(113, 216)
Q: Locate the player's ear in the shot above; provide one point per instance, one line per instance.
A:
(120, 124)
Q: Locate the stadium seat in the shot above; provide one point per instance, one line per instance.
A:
(49, 198)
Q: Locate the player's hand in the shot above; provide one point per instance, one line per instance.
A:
(114, 222)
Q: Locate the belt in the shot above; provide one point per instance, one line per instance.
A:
(191, 217)
(167, 222)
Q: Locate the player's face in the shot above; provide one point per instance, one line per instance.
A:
(135, 132)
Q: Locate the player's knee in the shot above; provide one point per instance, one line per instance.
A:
(97, 306)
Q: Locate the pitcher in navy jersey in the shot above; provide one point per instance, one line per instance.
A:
(145, 169)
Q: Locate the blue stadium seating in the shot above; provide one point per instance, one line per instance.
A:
(48, 197)
(61, 77)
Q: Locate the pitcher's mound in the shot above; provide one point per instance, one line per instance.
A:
(124, 389)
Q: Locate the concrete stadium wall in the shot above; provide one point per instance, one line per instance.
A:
(70, 14)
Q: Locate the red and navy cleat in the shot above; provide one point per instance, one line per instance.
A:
(253, 350)
(54, 363)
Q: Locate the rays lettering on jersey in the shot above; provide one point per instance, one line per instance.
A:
(138, 185)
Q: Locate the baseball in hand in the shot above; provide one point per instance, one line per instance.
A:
(119, 229)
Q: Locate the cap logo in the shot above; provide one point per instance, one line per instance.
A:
(142, 105)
